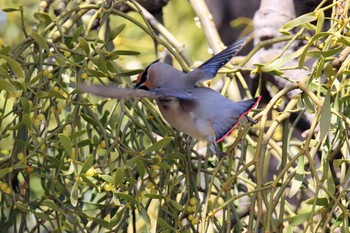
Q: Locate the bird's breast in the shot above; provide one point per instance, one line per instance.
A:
(182, 118)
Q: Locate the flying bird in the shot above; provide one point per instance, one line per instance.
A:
(199, 112)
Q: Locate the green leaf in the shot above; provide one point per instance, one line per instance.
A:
(299, 177)
(42, 216)
(107, 178)
(140, 166)
(162, 223)
(176, 155)
(321, 201)
(7, 10)
(325, 121)
(320, 21)
(176, 205)
(43, 17)
(41, 41)
(77, 134)
(15, 66)
(116, 31)
(4, 73)
(87, 164)
(127, 197)
(4, 172)
(78, 32)
(159, 145)
(154, 196)
(74, 193)
(27, 121)
(129, 72)
(60, 59)
(116, 219)
(125, 52)
(100, 64)
(303, 19)
(95, 73)
(5, 50)
(51, 205)
(144, 215)
(338, 162)
(6, 86)
(277, 64)
(66, 143)
(70, 170)
(118, 176)
(25, 104)
(88, 180)
(101, 222)
(84, 45)
(300, 218)
(311, 42)
(56, 94)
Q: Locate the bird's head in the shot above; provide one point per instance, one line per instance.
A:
(149, 79)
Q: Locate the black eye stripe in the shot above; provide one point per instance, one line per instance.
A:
(144, 76)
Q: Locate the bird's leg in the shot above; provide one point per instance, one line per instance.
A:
(251, 120)
(216, 150)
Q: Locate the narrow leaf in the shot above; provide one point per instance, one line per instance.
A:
(299, 177)
(66, 143)
(325, 121)
(116, 31)
(15, 66)
(159, 145)
(87, 164)
(6, 86)
(303, 19)
(74, 194)
(41, 41)
(118, 176)
(84, 45)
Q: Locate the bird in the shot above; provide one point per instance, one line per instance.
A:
(197, 111)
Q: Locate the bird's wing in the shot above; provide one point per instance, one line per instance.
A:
(122, 93)
(174, 93)
(225, 123)
(115, 92)
(209, 68)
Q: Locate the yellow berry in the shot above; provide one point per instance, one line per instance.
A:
(56, 88)
(154, 191)
(155, 167)
(108, 187)
(190, 217)
(30, 169)
(90, 172)
(3, 186)
(194, 221)
(102, 145)
(149, 184)
(40, 116)
(21, 156)
(193, 201)
(36, 122)
(160, 48)
(84, 75)
(189, 208)
(7, 190)
(67, 53)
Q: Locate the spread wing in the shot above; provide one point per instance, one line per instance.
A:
(209, 68)
(225, 124)
(115, 92)
(122, 93)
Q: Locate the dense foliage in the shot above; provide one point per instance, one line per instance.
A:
(72, 162)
